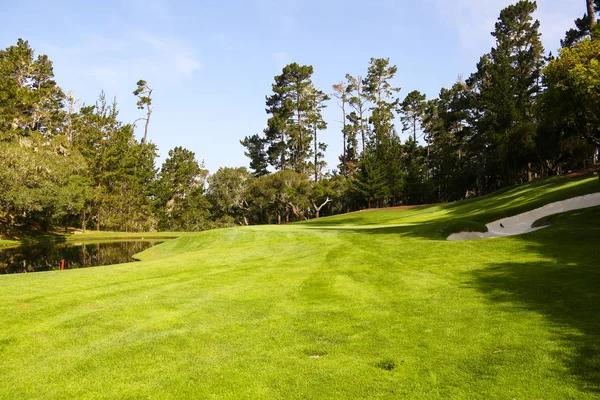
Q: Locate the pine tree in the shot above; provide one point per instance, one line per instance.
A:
(370, 183)
(379, 90)
(180, 201)
(507, 83)
(288, 129)
(584, 26)
(144, 95)
(413, 108)
(359, 102)
(316, 123)
(295, 109)
(31, 102)
(255, 151)
(342, 94)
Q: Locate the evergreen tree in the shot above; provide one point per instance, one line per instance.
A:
(255, 151)
(180, 201)
(446, 124)
(353, 128)
(379, 90)
(507, 83)
(316, 123)
(121, 169)
(144, 95)
(31, 101)
(415, 180)
(359, 102)
(413, 108)
(370, 183)
(583, 26)
(390, 155)
(289, 132)
(342, 94)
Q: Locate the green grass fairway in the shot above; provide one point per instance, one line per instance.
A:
(373, 304)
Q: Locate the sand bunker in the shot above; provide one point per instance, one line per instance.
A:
(521, 223)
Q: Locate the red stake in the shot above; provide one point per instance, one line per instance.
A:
(62, 265)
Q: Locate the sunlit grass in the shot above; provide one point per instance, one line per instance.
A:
(373, 304)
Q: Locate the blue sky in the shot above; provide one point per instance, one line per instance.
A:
(211, 63)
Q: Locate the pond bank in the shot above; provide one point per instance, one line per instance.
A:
(89, 236)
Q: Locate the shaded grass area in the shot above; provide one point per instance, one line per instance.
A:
(439, 221)
(563, 288)
(365, 305)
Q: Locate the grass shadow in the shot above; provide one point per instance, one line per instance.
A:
(564, 287)
(437, 222)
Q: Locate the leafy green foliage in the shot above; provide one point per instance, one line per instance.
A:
(180, 202)
(31, 102)
(39, 185)
(228, 193)
(573, 81)
(512, 121)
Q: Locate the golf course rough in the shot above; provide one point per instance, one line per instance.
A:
(364, 305)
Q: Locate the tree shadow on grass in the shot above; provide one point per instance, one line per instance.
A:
(567, 294)
(437, 222)
(564, 287)
(422, 230)
(516, 200)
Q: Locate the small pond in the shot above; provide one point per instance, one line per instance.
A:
(50, 256)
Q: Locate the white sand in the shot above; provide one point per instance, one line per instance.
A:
(521, 223)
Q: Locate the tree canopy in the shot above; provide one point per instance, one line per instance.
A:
(521, 114)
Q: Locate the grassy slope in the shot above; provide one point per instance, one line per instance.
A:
(320, 310)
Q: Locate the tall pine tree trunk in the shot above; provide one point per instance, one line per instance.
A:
(146, 126)
(415, 130)
(362, 130)
(300, 156)
(316, 157)
(282, 156)
(591, 12)
(344, 165)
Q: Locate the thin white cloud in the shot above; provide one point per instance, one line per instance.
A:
(281, 60)
(186, 64)
(473, 20)
(171, 57)
(132, 53)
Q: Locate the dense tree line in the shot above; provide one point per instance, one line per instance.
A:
(521, 114)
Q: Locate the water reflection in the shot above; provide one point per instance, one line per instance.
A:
(50, 256)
